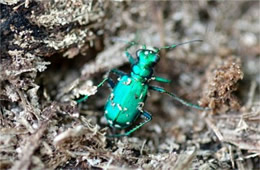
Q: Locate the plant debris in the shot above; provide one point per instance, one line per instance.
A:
(223, 76)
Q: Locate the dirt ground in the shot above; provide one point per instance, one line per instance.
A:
(54, 52)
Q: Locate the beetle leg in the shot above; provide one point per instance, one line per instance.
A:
(82, 99)
(86, 96)
(118, 72)
(111, 83)
(161, 90)
(145, 115)
(130, 58)
(160, 79)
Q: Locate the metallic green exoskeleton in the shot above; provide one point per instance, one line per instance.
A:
(126, 101)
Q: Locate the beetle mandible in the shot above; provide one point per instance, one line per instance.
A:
(125, 103)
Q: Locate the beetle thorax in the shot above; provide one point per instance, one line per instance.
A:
(143, 69)
(143, 72)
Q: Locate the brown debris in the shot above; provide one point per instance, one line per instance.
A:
(33, 142)
(222, 77)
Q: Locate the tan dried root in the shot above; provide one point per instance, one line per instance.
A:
(222, 77)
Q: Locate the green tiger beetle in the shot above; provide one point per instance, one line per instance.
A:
(125, 104)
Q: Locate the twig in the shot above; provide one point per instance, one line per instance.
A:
(251, 94)
(27, 105)
(142, 148)
(184, 160)
(214, 128)
(108, 164)
(231, 156)
(33, 142)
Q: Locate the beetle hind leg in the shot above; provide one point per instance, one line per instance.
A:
(118, 72)
(161, 90)
(145, 115)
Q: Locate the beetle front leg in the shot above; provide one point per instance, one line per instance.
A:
(145, 115)
(161, 90)
(130, 58)
(86, 96)
(160, 79)
(118, 72)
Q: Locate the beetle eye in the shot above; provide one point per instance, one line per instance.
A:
(138, 53)
(157, 59)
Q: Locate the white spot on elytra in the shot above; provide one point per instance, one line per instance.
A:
(119, 107)
(117, 126)
(141, 96)
(110, 122)
(128, 81)
(140, 106)
(113, 104)
(112, 96)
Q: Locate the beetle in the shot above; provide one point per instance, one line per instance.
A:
(125, 103)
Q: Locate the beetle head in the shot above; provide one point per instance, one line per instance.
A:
(147, 56)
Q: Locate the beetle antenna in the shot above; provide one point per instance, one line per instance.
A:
(131, 44)
(176, 45)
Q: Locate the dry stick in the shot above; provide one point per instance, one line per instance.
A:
(251, 146)
(231, 156)
(108, 164)
(142, 148)
(248, 145)
(160, 23)
(33, 142)
(214, 128)
(251, 94)
(27, 105)
(184, 160)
